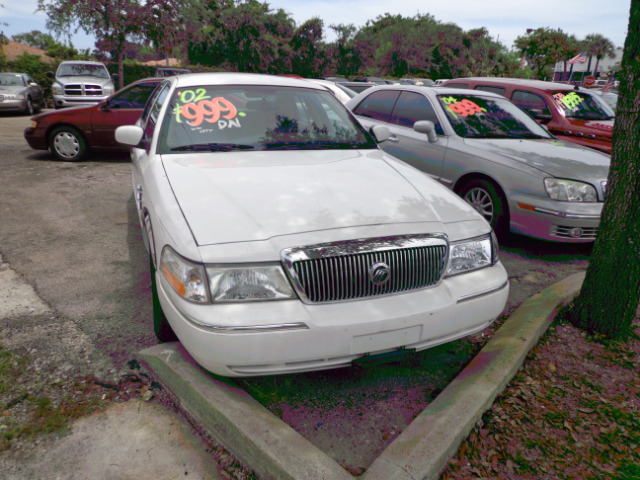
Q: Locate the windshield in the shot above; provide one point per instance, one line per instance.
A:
(582, 106)
(84, 69)
(11, 80)
(253, 117)
(486, 117)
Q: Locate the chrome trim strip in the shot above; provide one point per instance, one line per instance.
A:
(483, 293)
(565, 215)
(253, 328)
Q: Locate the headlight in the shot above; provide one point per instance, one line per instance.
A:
(57, 89)
(472, 254)
(187, 278)
(248, 283)
(569, 190)
(108, 90)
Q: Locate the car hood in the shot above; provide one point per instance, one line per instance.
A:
(236, 197)
(4, 89)
(83, 79)
(554, 157)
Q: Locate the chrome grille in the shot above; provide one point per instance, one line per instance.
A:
(80, 89)
(574, 232)
(363, 268)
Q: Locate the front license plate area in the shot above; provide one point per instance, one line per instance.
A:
(378, 342)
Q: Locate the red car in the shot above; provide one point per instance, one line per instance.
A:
(570, 113)
(70, 133)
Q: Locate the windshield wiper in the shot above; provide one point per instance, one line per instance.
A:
(212, 147)
(311, 145)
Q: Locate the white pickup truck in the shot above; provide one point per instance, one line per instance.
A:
(80, 82)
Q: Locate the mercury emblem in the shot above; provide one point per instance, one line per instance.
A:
(379, 273)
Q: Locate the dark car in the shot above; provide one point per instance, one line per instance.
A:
(71, 132)
(20, 93)
(356, 86)
(570, 113)
(170, 71)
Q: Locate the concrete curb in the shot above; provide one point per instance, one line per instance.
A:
(275, 451)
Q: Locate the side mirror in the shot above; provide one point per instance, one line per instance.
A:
(428, 127)
(380, 133)
(129, 135)
(51, 75)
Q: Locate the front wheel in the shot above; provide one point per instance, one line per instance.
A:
(28, 109)
(162, 329)
(67, 144)
(487, 198)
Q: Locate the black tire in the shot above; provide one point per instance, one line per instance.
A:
(28, 109)
(162, 329)
(67, 144)
(487, 198)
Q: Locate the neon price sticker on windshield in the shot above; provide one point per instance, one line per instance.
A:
(198, 107)
(570, 101)
(464, 108)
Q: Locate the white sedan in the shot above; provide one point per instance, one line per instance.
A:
(282, 239)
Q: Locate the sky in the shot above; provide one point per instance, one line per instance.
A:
(504, 19)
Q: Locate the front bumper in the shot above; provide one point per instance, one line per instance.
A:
(64, 101)
(290, 336)
(19, 105)
(556, 221)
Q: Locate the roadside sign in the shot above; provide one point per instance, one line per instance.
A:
(589, 81)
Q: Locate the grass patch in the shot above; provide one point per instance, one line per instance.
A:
(32, 403)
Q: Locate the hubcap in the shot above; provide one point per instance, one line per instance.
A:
(481, 201)
(66, 145)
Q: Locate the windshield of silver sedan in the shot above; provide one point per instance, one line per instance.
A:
(225, 118)
(582, 106)
(489, 117)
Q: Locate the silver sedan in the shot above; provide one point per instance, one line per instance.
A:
(20, 93)
(490, 152)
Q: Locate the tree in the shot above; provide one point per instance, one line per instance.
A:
(245, 36)
(543, 48)
(610, 295)
(165, 24)
(599, 47)
(111, 21)
(308, 55)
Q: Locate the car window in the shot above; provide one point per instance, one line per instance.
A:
(582, 106)
(134, 97)
(411, 107)
(253, 117)
(530, 102)
(152, 109)
(474, 116)
(378, 105)
(492, 89)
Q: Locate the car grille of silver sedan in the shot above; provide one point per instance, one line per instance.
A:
(364, 268)
(80, 89)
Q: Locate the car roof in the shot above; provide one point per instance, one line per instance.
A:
(539, 84)
(432, 90)
(227, 78)
(91, 62)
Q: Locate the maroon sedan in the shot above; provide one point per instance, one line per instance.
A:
(71, 132)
